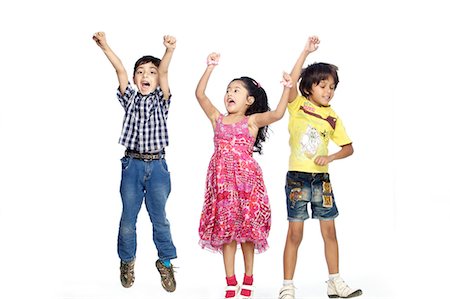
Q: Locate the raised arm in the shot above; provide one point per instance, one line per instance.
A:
(264, 119)
(311, 45)
(100, 39)
(211, 112)
(170, 44)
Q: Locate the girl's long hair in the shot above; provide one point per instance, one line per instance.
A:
(260, 105)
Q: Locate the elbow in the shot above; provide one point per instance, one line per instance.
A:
(200, 95)
(278, 115)
(350, 149)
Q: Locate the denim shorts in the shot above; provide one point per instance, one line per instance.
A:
(315, 188)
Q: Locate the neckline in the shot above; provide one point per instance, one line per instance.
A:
(222, 116)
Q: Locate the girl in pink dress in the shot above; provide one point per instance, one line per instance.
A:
(236, 209)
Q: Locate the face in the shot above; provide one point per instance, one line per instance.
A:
(146, 78)
(236, 98)
(322, 93)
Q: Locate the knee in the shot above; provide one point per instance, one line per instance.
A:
(127, 230)
(295, 237)
(329, 235)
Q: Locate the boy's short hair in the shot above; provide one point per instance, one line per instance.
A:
(315, 73)
(146, 59)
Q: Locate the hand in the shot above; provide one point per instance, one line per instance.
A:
(213, 59)
(322, 160)
(286, 81)
(312, 44)
(100, 39)
(170, 42)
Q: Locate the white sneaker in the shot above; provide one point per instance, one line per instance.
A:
(337, 288)
(287, 292)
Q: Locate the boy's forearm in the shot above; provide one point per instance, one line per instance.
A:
(121, 72)
(114, 59)
(297, 69)
(344, 152)
(296, 72)
(165, 61)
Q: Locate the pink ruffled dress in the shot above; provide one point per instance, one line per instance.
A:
(236, 206)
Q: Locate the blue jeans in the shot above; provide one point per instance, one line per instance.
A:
(149, 180)
(314, 188)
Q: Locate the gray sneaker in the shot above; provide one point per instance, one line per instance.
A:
(337, 288)
(167, 276)
(127, 273)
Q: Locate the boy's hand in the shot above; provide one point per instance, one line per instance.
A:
(322, 160)
(213, 59)
(100, 39)
(312, 44)
(170, 42)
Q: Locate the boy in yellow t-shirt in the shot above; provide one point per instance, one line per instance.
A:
(312, 124)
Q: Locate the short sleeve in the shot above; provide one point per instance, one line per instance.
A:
(295, 105)
(340, 136)
(127, 95)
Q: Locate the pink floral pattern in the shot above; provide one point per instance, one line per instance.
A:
(236, 206)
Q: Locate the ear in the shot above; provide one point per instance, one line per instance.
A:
(250, 100)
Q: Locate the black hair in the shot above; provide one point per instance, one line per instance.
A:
(259, 105)
(146, 59)
(315, 73)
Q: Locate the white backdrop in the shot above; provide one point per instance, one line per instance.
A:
(60, 122)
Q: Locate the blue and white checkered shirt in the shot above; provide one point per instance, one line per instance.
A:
(144, 126)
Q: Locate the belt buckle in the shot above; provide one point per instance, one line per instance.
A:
(150, 157)
(147, 158)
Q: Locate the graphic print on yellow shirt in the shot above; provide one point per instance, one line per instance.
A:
(310, 128)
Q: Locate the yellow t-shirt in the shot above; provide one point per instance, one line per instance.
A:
(310, 128)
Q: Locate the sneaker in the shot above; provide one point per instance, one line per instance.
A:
(287, 292)
(127, 273)
(337, 288)
(167, 277)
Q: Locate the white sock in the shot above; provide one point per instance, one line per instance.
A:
(333, 276)
(288, 282)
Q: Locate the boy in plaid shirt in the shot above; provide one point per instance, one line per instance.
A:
(145, 175)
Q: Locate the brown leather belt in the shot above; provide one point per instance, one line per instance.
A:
(144, 156)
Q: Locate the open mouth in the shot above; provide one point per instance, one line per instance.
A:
(145, 83)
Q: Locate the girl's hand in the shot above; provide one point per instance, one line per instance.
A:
(170, 42)
(312, 44)
(286, 81)
(100, 39)
(213, 59)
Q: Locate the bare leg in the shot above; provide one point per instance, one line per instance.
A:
(293, 240)
(328, 231)
(229, 254)
(248, 251)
